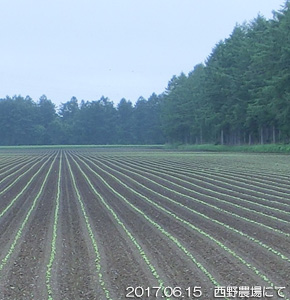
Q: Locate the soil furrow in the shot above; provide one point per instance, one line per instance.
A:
(23, 275)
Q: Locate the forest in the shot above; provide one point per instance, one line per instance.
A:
(239, 95)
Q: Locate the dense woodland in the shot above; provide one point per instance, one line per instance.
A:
(240, 95)
(25, 122)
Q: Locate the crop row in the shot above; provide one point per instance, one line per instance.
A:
(176, 175)
(216, 200)
(26, 186)
(24, 222)
(121, 224)
(214, 179)
(219, 243)
(202, 183)
(165, 194)
(142, 186)
(195, 184)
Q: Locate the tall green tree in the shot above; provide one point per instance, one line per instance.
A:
(176, 115)
(46, 116)
(69, 114)
(18, 121)
(125, 122)
(97, 122)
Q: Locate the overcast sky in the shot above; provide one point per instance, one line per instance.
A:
(115, 48)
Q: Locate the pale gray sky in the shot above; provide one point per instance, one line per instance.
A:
(115, 48)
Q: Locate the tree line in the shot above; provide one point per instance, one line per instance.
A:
(25, 122)
(240, 95)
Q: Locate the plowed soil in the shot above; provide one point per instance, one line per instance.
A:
(89, 223)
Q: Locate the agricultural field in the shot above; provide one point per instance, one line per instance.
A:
(101, 223)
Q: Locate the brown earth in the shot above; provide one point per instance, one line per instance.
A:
(114, 216)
